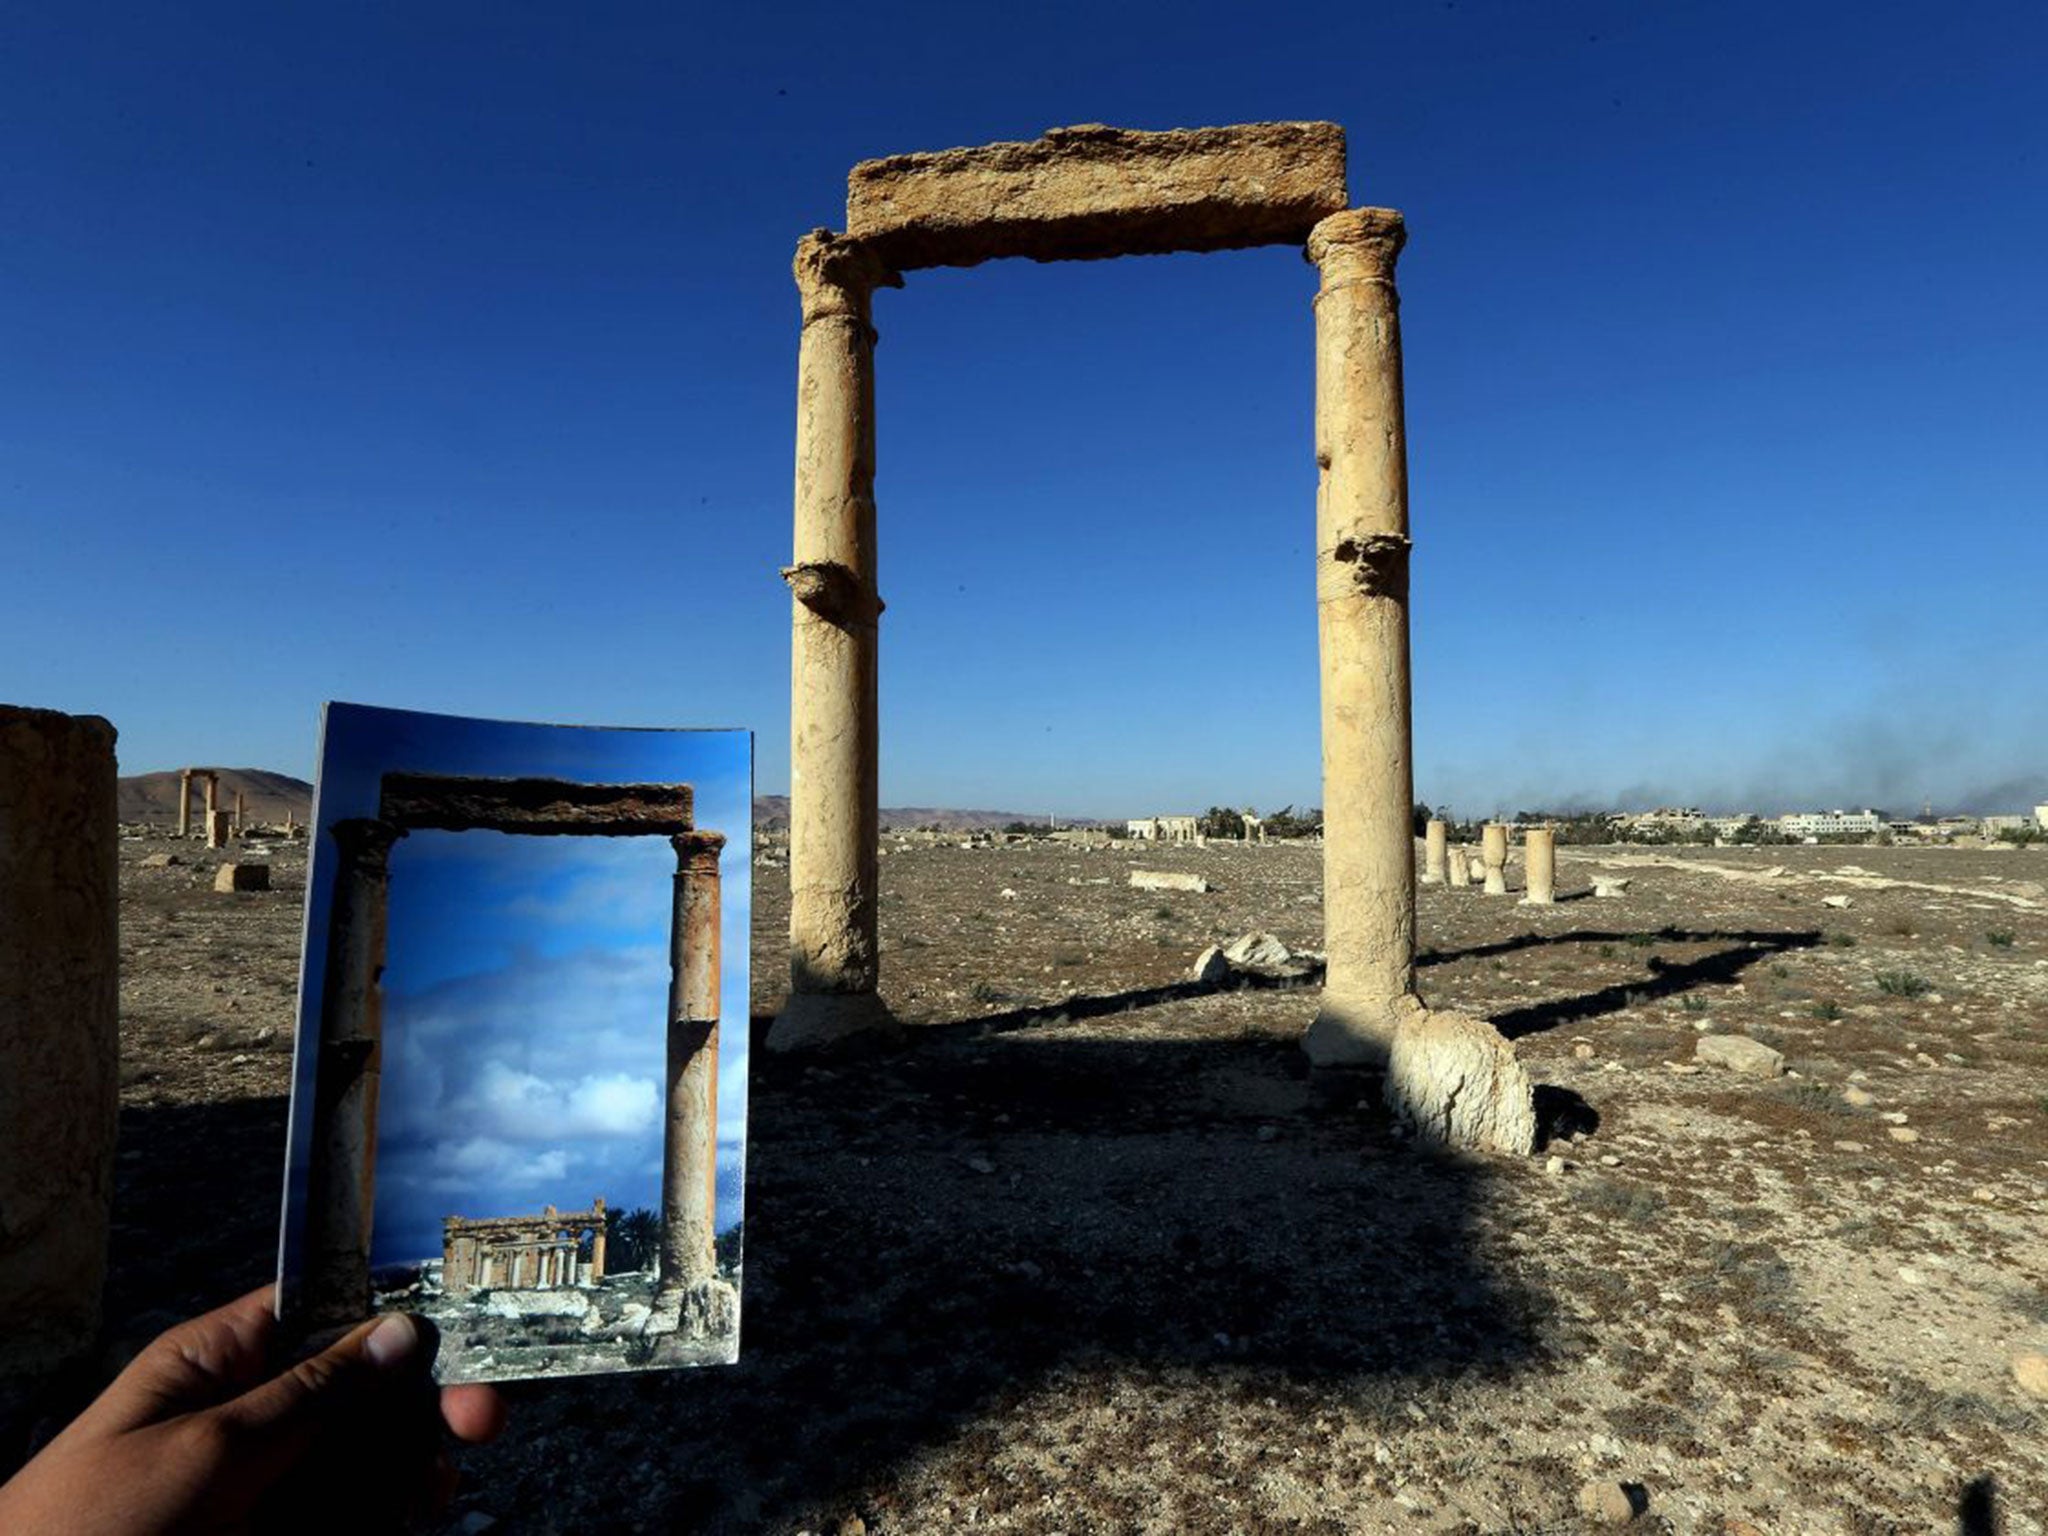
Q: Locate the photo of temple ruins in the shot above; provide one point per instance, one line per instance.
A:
(516, 971)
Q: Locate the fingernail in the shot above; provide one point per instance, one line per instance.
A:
(391, 1341)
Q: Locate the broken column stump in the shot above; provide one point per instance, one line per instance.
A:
(59, 1035)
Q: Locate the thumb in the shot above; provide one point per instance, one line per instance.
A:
(286, 1411)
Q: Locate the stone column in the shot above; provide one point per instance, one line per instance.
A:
(184, 802)
(689, 1170)
(1493, 850)
(1433, 843)
(597, 1249)
(1459, 872)
(834, 819)
(218, 832)
(239, 810)
(1362, 623)
(341, 1177)
(59, 1037)
(1539, 849)
(212, 795)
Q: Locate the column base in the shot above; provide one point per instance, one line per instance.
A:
(811, 1021)
(1358, 1032)
(1537, 901)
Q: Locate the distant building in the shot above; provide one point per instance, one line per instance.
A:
(1163, 829)
(1991, 826)
(1728, 826)
(1665, 818)
(2041, 817)
(1831, 823)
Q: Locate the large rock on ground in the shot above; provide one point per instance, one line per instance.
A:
(1257, 952)
(1166, 880)
(537, 1304)
(1739, 1053)
(1210, 967)
(1455, 1079)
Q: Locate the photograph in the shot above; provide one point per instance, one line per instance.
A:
(514, 1111)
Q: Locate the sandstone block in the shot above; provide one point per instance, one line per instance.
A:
(242, 877)
(1610, 887)
(1210, 967)
(1456, 1080)
(1166, 880)
(59, 1039)
(1257, 952)
(161, 861)
(1093, 191)
(1739, 1053)
(2030, 1371)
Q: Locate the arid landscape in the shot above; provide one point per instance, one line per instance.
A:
(1093, 1250)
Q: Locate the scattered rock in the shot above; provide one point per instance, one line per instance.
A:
(853, 1525)
(563, 1303)
(980, 1164)
(1862, 1098)
(1583, 1051)
(1739, 1053)
(1166, 880)
(1210, 967)
(1894, 1117)
(1606, 1503)
(1268, 1133)
(242, 877)
(1850, 1146)
(1609, 887)
(1455, 1079)
(1839, 903)
(2031, 1372)
(1553, 1165)
(1257, 952)
(1903, 1133)
(161, 861)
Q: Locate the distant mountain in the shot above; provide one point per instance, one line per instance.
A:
(267, 796)
(771, 814)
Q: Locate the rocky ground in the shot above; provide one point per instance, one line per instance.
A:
(1094, 1252)
(502, 1334)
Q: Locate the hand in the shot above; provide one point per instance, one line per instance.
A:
(202, 1432)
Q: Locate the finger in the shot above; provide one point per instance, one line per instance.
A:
(473, 1412)
(279, 1417)
(198, 1364)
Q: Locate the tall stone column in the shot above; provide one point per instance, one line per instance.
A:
(59, 1037)
(212, 795)
(1539, 849)
(1362, 622)
(1493, 851)
(240, 807)
(341, 1181)
(834, 817)
(1433, 845)
(689, 1167)
(184, 802)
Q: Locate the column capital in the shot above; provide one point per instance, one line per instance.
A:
(1357, 245)
(697, 852)
(836, 274)
(365, 841)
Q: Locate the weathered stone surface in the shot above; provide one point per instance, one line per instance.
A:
(1739, 1053)
(1609, 887)
(456, 803)
(1257, 952)
(2030, 1371)
(1092, 191)
(1210, 967)
(1606, 1504)
(161, 861)
(1455, 1079)
(552, 1303)
(242, 877)
(59, 1039)
(1166, 880)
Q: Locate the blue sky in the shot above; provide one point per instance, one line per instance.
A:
(443, 355)
(527, 978)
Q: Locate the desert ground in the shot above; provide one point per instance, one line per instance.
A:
(1093, 1250)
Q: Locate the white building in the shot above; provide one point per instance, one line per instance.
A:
(1831, 823)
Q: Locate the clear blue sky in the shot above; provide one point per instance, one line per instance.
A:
(527, 979)
(443, 356)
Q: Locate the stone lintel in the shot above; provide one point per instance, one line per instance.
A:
(454, 803)
(526, 1228)
(1083, 193)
